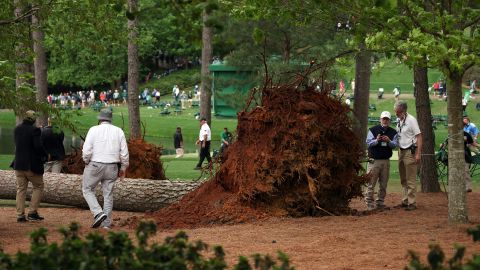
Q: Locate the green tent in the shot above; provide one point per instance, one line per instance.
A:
(230, 87)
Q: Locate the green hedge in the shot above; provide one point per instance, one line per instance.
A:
(117, 251)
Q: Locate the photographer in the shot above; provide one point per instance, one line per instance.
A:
(381, 139)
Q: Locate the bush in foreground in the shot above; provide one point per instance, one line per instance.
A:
(116, 251)
(436, 257)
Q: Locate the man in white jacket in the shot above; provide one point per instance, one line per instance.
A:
(106, 158)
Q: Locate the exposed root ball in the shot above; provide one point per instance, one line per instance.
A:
(297, 152)
(145, 161)
(295, 155)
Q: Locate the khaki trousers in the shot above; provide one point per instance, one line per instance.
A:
(22, 178)
(378, 170)
(408, 175)
(53, 166)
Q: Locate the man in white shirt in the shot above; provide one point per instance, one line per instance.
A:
(204, 138)
(105, 154)
(410, 151)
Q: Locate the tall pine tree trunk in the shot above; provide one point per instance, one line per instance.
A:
(22, 62)
(205, 88)
(362, 93)
(133, 63)
(428, 169)
(457, 207)
(40, 63)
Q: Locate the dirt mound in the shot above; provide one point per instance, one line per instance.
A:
(210, 204)
(295, 155)
(145, 161)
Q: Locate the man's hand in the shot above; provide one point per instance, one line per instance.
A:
(203, 144)
(418, 156)
(121, 174)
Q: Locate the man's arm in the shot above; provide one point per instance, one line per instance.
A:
(418, 153)
(393, 143)
(371, 141)
(87, 150)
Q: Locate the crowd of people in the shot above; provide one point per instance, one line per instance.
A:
(82, 99)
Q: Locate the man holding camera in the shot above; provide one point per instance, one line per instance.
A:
(381, 139)
(409, 154)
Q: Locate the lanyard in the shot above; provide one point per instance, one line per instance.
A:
(401, 123)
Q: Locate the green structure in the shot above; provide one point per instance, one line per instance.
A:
(230, 87)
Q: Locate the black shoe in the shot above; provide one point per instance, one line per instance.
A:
(34, 217)
(99, 218)
(469, 190)
(197, 168)
(411, 207)
(21, 219)
(402, 205)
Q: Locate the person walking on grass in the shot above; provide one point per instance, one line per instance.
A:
(106, 158)
(204, 138)
(178, 142)
(381, 140)
(28, 166)
(410, 144)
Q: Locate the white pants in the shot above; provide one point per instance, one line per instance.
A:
(106, 174)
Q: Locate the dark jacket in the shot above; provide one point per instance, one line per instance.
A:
(29, 153)
(467, 140)
(380, 151)
(52, 141)
(177, 140)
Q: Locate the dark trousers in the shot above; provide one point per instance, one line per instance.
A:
(204, 153)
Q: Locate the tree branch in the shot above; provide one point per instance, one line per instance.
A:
(418, 24)
(21, 17)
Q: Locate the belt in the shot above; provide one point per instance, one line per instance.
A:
(106, 163)
(408, 148)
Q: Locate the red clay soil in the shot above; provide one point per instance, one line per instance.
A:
(145, 161)
(378, 241)
(295, 155)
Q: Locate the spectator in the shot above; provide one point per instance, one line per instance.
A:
(468, 140)
(226, 138)
(396, 93)
(52, 139)
(410, 144)
(178, 143)
(28, 166)
(106, 158)
(204, 138)
(381, 139)
(471, 129)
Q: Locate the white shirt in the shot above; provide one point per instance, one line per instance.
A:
(106, 143)
(205, 129)
(407, 130)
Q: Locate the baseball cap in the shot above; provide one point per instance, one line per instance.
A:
(30, 116)
(385, 114)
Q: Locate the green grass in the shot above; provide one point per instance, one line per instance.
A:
(5, 161)
(181, 168)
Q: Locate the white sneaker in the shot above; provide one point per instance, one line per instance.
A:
(107, 228)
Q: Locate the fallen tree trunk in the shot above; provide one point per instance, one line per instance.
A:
(137, 195)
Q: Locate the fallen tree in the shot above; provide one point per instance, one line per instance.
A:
(137, 195)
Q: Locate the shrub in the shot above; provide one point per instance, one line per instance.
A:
(116, 251)
(436, 257)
